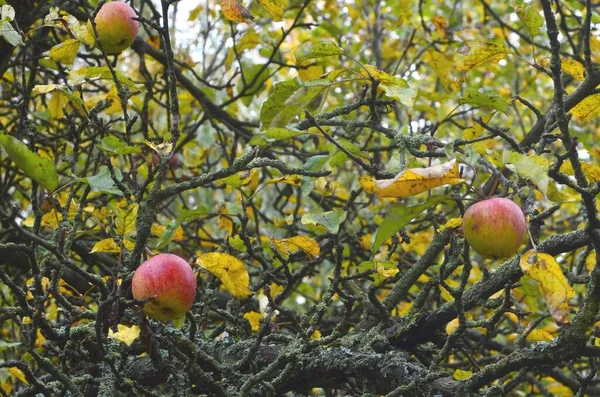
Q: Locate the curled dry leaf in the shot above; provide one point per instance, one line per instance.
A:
(292, 244)
(235, 11)
(544, 269)
(413, 181)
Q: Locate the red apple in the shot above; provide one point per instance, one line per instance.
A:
(495, 228)
(116, 28)
(168, 279)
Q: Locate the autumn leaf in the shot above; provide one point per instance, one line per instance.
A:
(235, 11)
(230, 270)
(316, 49)
(394, 87)
(587, 109)
(125, 219)
(254, 319)
(65, 52)
(574, 68)
(413, 181)
(18, 374)
(274, 8)
(530, 16)
(556, 290)
(475, 53)
(452, 223)
(125, 334)
(110, 245)
(291, 245)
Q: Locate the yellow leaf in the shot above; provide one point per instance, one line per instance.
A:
(574, 68)
(414, 181)
(556, 290)
(590, 170)
(451, 224)
(460, 374)
(587, 109)
(294, 180)
(125, 334)
(125, 220)
(441, 25)
(65, 52)
(39, 339)
(324, 187)
(18, 374)
(274, 8)
(451, 326)
(539, 335)
(110, 245)
(161, 148)
(316, 334)
(240, 179)
(254, 320)
(386, 272)
(230, 270)
(235, 11)
(475, 53)
(157, 230)
(291, 245)
(56, 104)
(275, 289)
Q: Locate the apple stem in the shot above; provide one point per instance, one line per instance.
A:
(530, 237)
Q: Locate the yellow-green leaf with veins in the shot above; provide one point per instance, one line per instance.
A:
(574, 68)
(274, 8)
(292, 244)
(65, 52)
(394, 87)
(587, 109)
(125, 220)
(544, 269)
(316, 49)
(531, 167)
(529, 15)
(475, 53)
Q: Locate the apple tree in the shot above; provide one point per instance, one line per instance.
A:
(311, 162)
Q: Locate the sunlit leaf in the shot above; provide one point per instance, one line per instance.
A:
(38, 168)
(230, 270)
(556, 290)
(414, 180)
(18, 374)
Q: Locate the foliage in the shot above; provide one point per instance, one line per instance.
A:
(312, 160)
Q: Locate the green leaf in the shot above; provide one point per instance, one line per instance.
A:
(530, 167)
(316, 163)
(65, 52)
(77, 77)
(475, 53)
(38, 168)
(10, 34)
(113, 145)
(383, 270)
(274, 8)
(475, 98)
(292, 97)
(330, 219)
(529, 15)
(274, 134)
(167, 235)
(394, 87)
(398, 216)
(6, 345)
(316, 49)
(103, 183)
